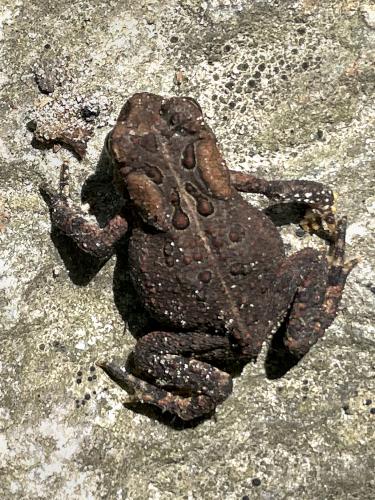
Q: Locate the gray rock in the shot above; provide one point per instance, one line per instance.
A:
(289, 89)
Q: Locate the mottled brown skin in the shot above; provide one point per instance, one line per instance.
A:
(209, 267)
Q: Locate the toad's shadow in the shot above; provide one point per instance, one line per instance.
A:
(98, 191)
(105, 202)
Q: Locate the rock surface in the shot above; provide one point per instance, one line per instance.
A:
(288, 87)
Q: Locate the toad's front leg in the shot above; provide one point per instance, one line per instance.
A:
(173, 371)
(317, 196)
(71, 220)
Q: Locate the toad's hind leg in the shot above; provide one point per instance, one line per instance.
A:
(165, 371)
(315, 306)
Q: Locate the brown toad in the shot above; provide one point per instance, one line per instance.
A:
(209, 267)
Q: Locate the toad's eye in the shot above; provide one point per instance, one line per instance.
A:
(174, 119)
(179, 123)
(183, 115)
(153, 173)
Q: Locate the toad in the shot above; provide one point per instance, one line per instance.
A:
(210, 268)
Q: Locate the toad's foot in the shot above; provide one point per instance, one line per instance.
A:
(165, 372)
(314, 307)
(339, 270)
(321, 218)
(139, 391)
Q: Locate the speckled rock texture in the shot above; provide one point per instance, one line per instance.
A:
(288, 87)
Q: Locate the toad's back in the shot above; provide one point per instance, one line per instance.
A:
(212, 274)
(198, 252)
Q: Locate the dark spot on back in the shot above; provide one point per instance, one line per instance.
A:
(205, 276)
(236, 233)
(169, 261)
(180, 220)
(188, 157)
(188, 259)
(205, 207)
(234, 236)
